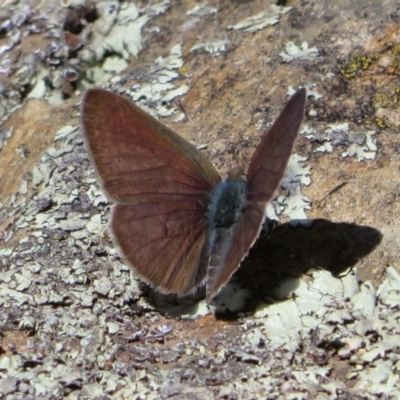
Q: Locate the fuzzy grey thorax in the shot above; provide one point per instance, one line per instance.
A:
(226, 202)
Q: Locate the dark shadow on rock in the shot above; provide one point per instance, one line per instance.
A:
(288, 251)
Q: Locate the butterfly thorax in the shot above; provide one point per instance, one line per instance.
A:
(226, 202)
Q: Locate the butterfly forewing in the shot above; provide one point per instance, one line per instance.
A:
(268, 164)
(137, 157)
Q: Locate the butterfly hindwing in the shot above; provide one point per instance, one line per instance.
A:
(164, 242)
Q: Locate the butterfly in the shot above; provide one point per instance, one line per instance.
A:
(174, 220)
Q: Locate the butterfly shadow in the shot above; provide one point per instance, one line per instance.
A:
(285, 252)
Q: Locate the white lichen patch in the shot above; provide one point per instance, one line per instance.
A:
(302, 53)
(118, 32)
(159, 87)
(115, 64)
(4, 136)
(66, 132)
(263, 19)
(201, 10)
(174, 93)
(292, 203)
(120, 28)
(360, 144)
(367, 151)
(13, 39)
(215, 47)
(321, 306)
(232, 297)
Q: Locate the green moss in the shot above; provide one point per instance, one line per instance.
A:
(388, 100)
(356, 64)
(380, 123)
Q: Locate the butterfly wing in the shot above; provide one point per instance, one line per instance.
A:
(232, 248)
(139, 159)
(268, 164)
(160, 183)
(164, 242)
(266, 170)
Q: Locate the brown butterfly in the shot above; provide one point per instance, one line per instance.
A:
(175, 222)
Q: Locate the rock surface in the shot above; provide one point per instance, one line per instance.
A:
(75, 323)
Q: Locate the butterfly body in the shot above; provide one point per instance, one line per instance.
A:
(226, 202)
(174, 220)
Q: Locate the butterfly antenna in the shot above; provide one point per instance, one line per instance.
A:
(241, 161)
(183, 110)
